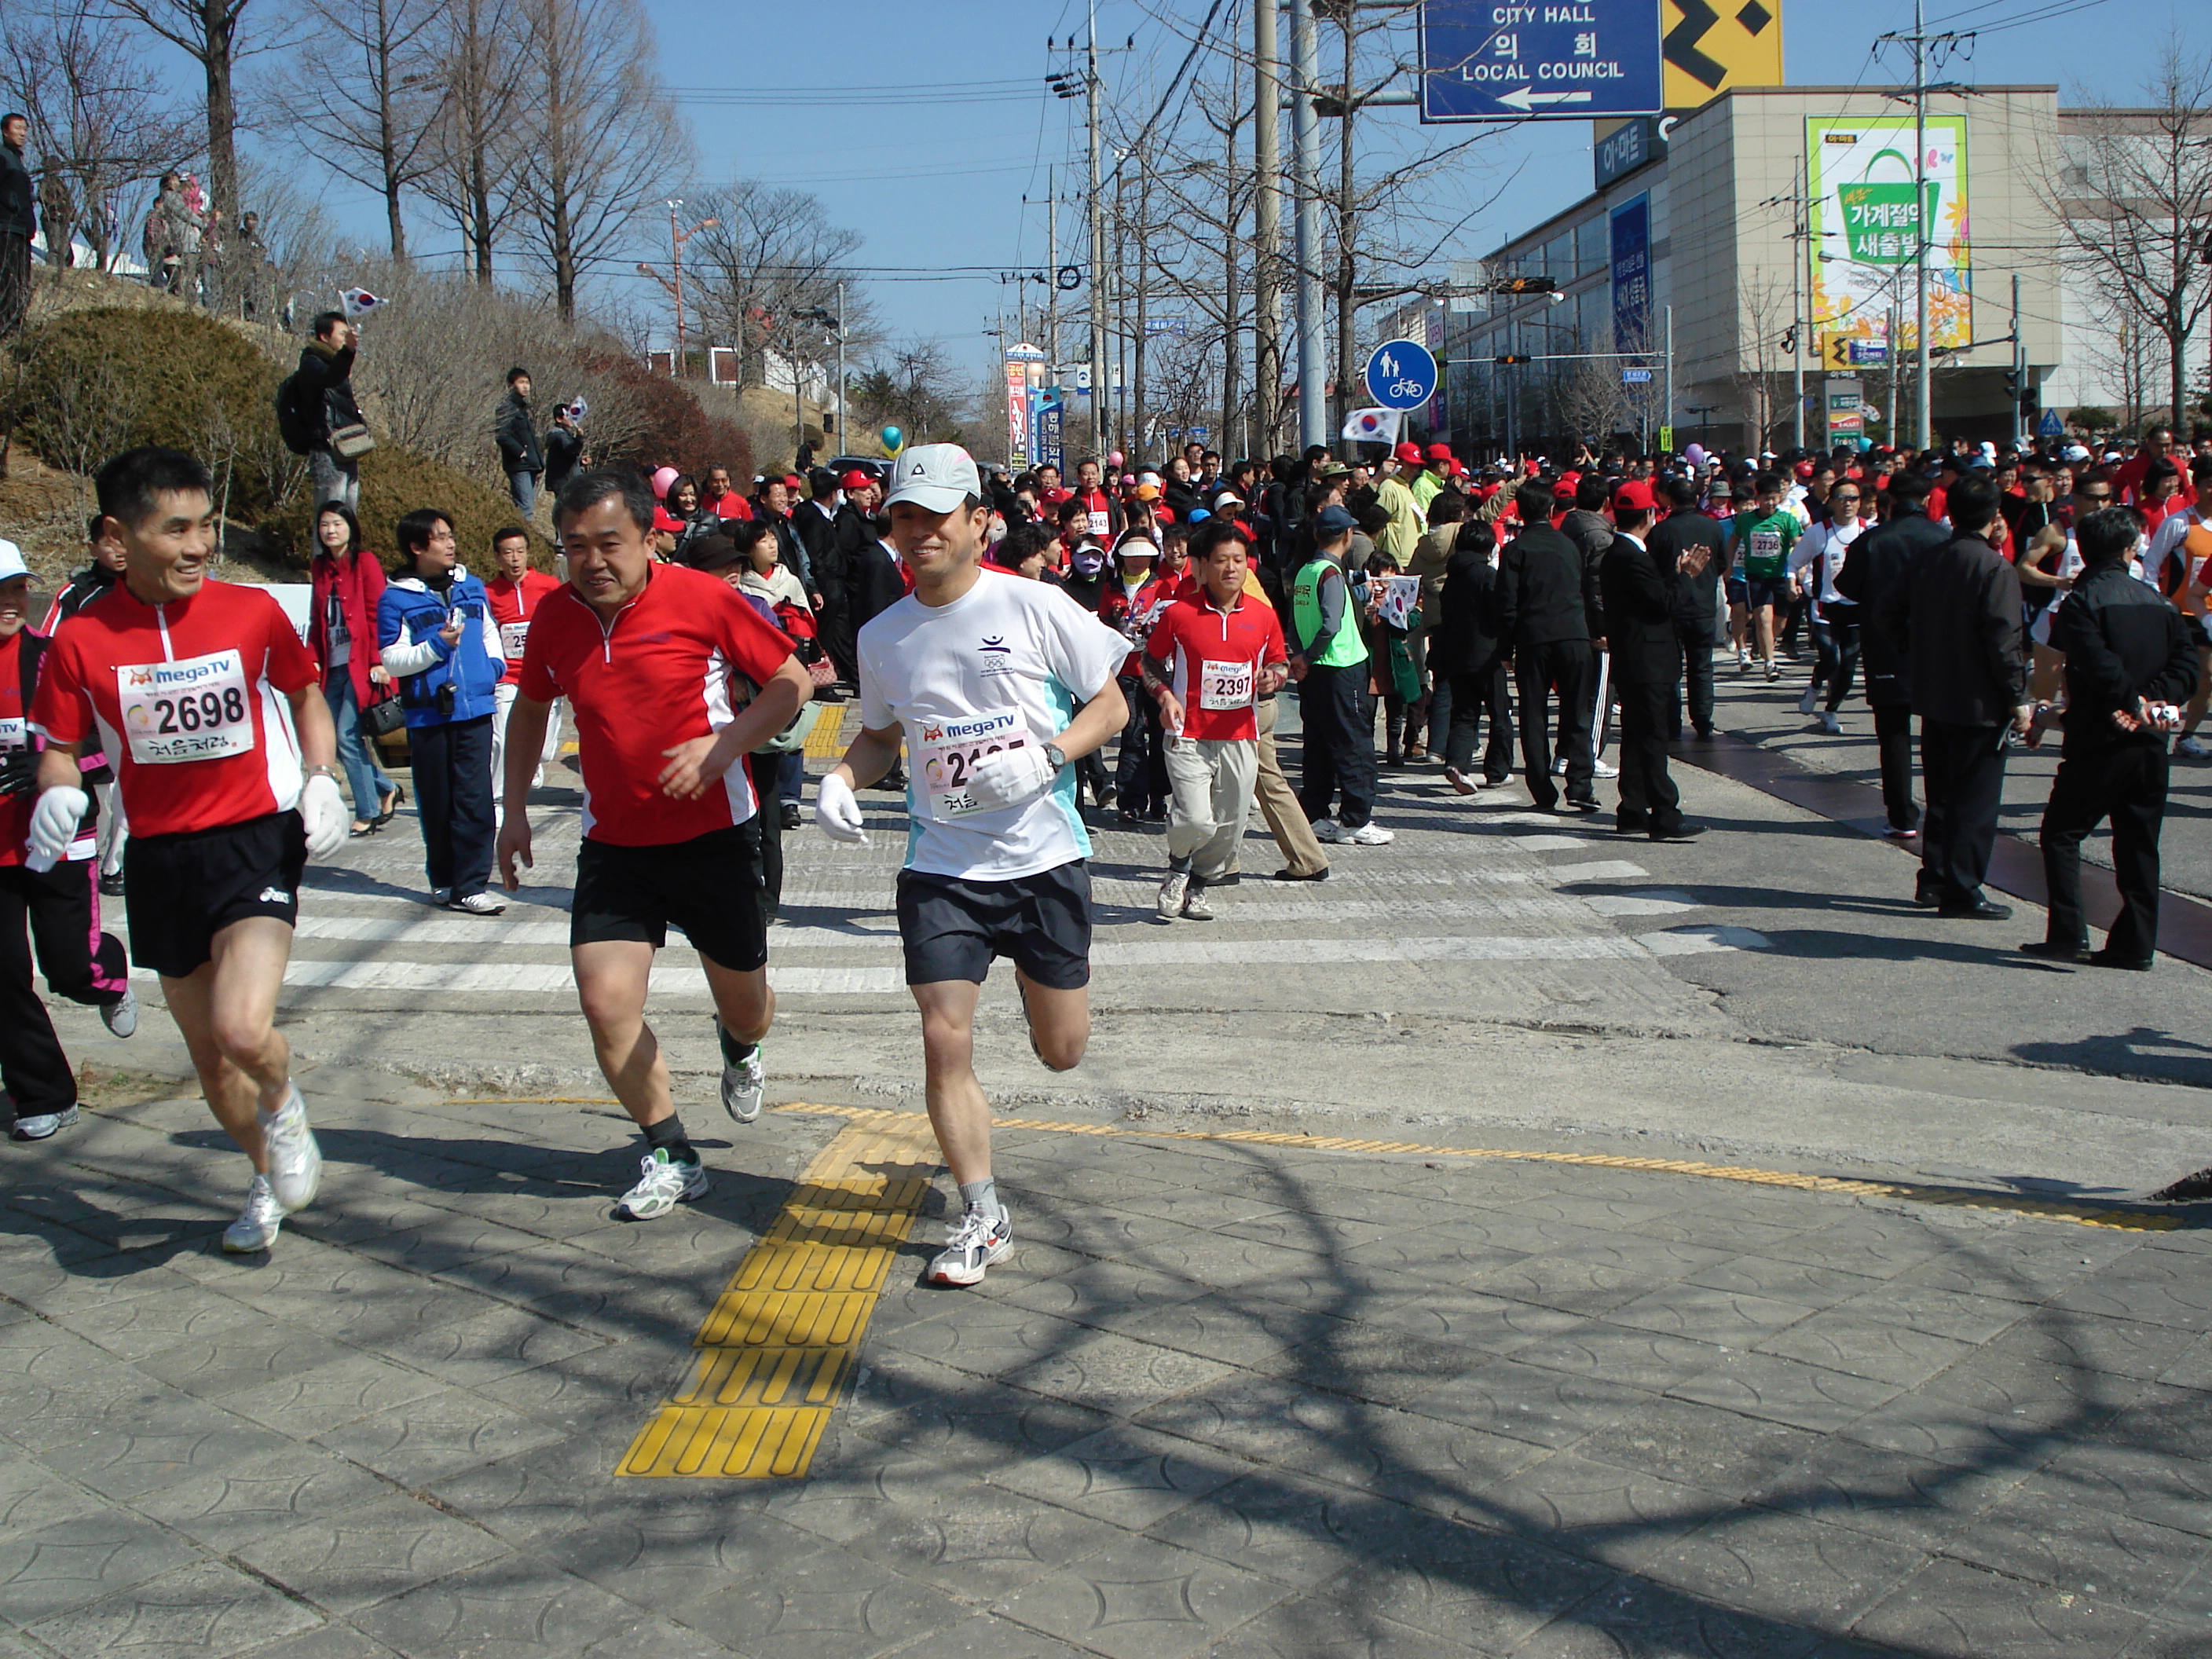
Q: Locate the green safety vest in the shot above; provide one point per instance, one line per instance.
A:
(1349, 644)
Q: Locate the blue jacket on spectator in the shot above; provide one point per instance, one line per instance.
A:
(408, 622)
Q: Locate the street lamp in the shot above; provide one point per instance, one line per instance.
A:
(835, 325)
(678, 237)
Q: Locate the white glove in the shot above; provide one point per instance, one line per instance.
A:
(53, 825)
(1009, 778)
(837, 813)
(324, 814)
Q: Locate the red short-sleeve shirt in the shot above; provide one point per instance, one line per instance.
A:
(513, 606)
(657, 675)
(1214, 659)
(189, 699)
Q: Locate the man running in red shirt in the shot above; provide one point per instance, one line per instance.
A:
(201, 694)
(513, 597)
(647, 655)
(1208, 661)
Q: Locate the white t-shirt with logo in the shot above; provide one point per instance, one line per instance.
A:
(1006, 665)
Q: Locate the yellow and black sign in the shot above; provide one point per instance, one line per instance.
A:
(1709, 49)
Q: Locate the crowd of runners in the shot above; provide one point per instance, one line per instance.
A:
(1002, 633)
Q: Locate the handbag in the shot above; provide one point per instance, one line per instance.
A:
(351, 442)
(382, 718)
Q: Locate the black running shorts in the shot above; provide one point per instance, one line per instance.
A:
(179, 891)
(1042, 923)
(710, 887)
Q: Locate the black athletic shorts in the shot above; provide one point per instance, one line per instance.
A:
(709, 886)
(179, 892)
(1042, 923)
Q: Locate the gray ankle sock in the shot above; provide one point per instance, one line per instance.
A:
(981, 1196)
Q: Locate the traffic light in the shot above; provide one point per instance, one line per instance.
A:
(1523, 285)
(1509, 359)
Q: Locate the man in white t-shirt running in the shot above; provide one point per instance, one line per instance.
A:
(996, 685)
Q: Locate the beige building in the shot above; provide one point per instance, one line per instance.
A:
(1714, 230)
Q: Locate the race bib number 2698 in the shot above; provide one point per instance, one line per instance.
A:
(196, 708)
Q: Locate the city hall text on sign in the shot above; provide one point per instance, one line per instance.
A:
(1491, 62)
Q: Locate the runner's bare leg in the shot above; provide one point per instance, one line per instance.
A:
(226, 1010)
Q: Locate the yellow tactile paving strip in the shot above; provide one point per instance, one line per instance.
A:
(2094, 1215)
(827, 740)
(785, 1334)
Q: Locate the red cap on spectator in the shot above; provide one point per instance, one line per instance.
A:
(1440, 451)
(856, 479)
(664, 519)
(1635, 497)
(793, 481)
(1804, 468)
(1408, 452)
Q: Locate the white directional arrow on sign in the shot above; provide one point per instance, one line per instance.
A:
(1526, 98)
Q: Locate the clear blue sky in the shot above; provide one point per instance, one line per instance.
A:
(940, 185)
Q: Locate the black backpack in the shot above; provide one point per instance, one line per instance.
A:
(295, 423)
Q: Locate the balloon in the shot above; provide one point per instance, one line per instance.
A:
(1695, 454)
(1115, 458)
(662, 478)
(894, 441)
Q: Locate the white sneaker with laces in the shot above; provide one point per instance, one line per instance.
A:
(44, 1126)
(1194, 907)
(1328, 830)
(1371, 835)
(1600, 769)
(257, 1225)
(1811, 695)
(478, 904)
(122, 1017)
(743, 1081)
(1830, 724)
(1773, 671)
(662, 1183)
(1173, 887)
(296, 1158)
(973, 1245)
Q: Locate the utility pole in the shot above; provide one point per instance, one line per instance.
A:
(1266, 219)
(2021, 434)
(1052, 265)
(1098, 384)
(676, 237)
(844, 438)
(1305, 167)
(1924, 430)
(1666, 408)
(1231, 358)
(1799, 236)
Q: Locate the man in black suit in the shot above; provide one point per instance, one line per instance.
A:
(1697, 597)
(1879, 561)
(2125, 647)
(1550, 615)
(1955, 619)
(1640, 593)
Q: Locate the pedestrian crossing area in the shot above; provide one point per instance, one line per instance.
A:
(1479, 907)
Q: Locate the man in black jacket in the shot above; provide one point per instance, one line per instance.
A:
(1550, 612)
(1696, 596)
(17, 221)
(815, 522)
(1467, 654)
(520, 457)
(1955, 619)
(1647, 662)
(325, 393)
(564, 448)
(2125, 647)
(1879, 561)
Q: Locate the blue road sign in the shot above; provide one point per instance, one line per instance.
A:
(1401, 374)
(2050, 426)
(1495, 60)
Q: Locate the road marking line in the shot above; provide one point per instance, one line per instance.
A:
(784, 1336)
(2092, 1215)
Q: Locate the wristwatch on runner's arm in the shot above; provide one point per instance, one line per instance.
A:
(1053, 754)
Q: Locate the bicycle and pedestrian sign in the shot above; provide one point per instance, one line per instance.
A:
(1401, 374)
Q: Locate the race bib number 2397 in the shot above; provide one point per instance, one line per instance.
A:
(196, 709)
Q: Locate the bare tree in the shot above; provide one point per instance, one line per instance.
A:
(99, 133)
(914, 386)
(1593, 403)
(772, 253)
(366, 101)
(602, 137)
(2133, 197)
(211, 33)
(477, 157)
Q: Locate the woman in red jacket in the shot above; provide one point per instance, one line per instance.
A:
(342, 633)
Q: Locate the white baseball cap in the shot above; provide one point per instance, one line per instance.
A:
(11, 563)
(936, 477)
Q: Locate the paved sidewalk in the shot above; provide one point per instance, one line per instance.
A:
(1231, 1397)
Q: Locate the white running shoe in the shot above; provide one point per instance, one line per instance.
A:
(977, 1242)
(258, 1223)
(44, 1126)
(2191, 747)
(1600, 769)
(1328, 830)
(1811, 695)
(296, 1158)
(662, 1183)
(122, 1017)
(1830, 724)
(1371, 835)
(478, 904)
(744, 1081)
(1194, 907)
(1173, 888)
(1773, 671)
